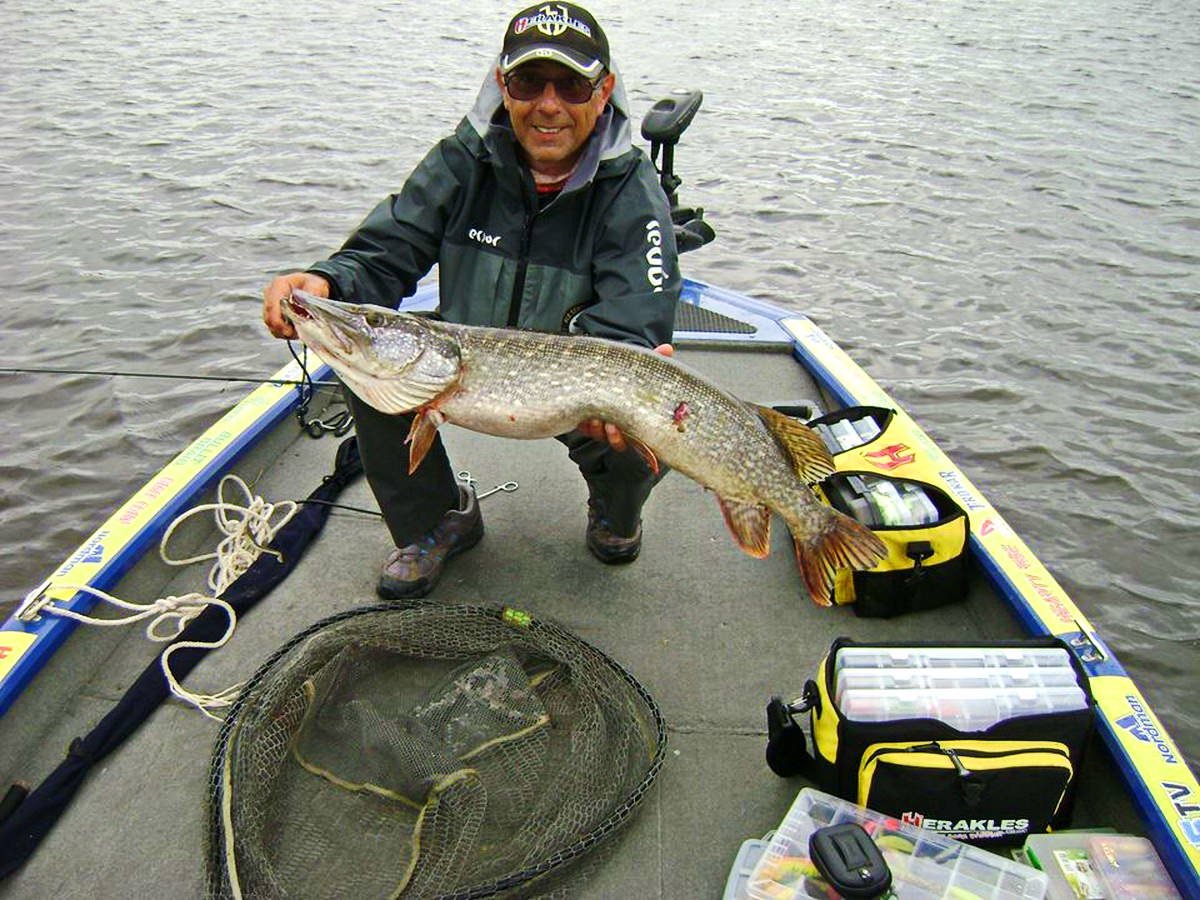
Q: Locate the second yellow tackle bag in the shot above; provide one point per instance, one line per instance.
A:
(923, 527)
(981, 742)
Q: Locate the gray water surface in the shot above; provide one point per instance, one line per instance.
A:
(994, 207)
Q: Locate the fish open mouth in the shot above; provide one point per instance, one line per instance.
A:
(293, 308)
(322, 333)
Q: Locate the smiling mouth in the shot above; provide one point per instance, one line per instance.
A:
(544, 129)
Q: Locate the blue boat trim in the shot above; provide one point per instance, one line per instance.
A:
(52, 631)
(1158, 828)
(765, 319)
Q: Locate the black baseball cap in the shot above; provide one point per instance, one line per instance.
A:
(562, 32)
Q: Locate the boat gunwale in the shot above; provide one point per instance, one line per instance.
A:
(113, 560)
(1175, 835)
(776, 330)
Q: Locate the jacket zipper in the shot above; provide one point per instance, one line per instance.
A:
(514, 305)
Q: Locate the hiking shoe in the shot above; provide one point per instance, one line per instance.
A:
(610, 548)
(413, 571)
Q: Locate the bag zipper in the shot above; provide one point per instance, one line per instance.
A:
(956, 761)
(935, 747)
(971, 786)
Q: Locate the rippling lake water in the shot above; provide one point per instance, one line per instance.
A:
(994, 207)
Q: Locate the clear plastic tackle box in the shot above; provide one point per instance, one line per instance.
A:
(923, 864)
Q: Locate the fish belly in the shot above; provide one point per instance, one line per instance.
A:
(524, 420)
(527, 385)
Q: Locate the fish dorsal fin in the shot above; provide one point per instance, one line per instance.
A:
(803, 447)
(750, 525)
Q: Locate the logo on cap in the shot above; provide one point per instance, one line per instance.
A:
(551, 22)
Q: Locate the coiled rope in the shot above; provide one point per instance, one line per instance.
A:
(248, 528)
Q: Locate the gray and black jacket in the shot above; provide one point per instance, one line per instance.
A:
(599, 258)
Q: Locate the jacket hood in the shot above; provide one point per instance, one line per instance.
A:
(611, 138)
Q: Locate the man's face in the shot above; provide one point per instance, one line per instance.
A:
(550, 130)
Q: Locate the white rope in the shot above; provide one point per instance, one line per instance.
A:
(245, 537)
(247, 530)
(177, 610)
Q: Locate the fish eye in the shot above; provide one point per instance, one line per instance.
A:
(374, 319)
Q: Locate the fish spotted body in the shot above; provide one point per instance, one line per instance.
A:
(521, 384)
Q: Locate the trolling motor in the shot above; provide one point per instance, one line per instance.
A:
(662, 126)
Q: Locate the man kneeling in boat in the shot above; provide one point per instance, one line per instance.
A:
(540, 214)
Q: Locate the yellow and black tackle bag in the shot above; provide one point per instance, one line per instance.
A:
(923, 732)
(879, 481)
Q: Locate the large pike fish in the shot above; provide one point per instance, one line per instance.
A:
(524, 384)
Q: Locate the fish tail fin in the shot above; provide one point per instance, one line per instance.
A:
(840, 543)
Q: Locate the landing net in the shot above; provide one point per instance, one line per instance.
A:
(435, 751)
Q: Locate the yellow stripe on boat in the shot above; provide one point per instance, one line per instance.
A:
(1163, 787)
(125, 524)
(27, 639)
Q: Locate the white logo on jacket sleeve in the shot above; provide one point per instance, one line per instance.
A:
(478, 234)
(654, 267)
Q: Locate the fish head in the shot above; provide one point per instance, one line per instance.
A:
(394, 361)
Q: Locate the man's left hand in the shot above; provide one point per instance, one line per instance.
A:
(599, 430)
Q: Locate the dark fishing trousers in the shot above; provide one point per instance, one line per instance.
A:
(619, 483)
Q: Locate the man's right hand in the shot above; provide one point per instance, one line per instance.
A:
(282, 287)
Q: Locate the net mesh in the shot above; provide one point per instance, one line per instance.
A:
(448, 751)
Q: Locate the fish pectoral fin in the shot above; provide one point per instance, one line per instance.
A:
(643, 450)
(421, 434)
(750, 525)
(803, 447)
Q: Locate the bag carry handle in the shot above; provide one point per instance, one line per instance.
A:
(918, 552)
(787, 748)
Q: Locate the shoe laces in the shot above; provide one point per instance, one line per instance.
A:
(414, 551)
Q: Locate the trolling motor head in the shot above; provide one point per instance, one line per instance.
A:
(663, 126)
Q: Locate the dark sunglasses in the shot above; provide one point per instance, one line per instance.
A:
(526, 86)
